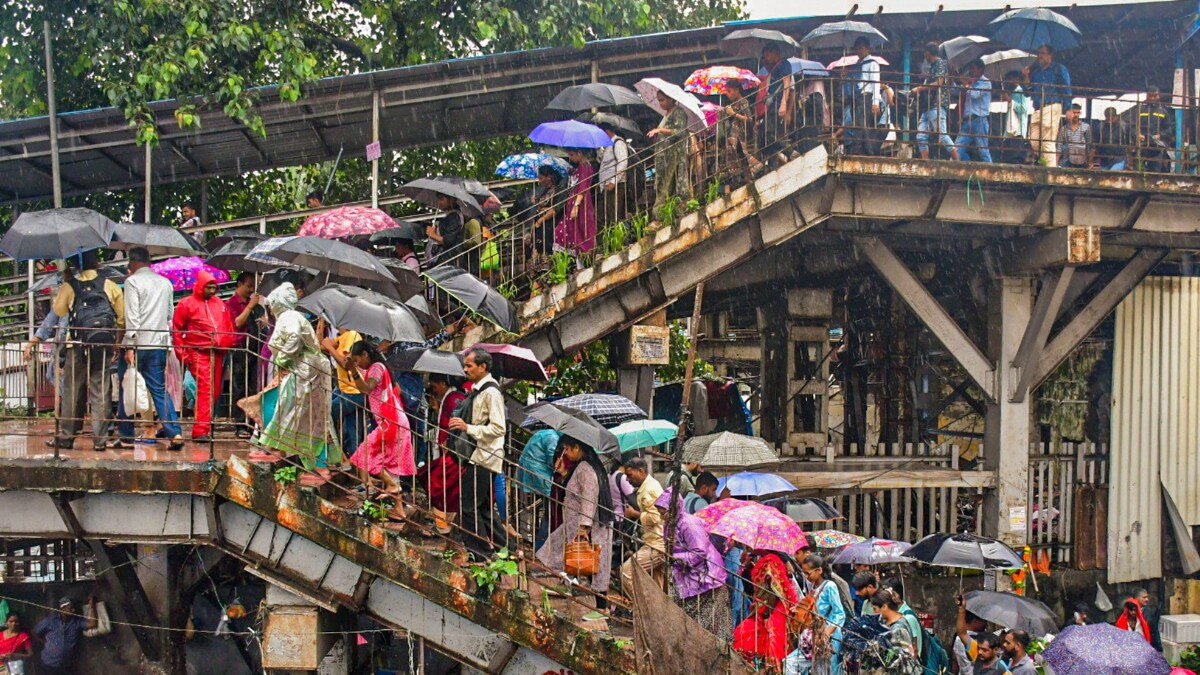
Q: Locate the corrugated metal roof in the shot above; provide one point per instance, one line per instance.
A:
(1155, 421)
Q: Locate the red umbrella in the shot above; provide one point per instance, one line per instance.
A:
(346, 221)
(513, 361)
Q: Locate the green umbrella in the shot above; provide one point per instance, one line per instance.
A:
(644, 433)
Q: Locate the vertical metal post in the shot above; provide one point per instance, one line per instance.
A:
(375, 139)
(148, 170)
(262, 225)
(52, 110)
(907, 67)
(1183, 97)
(595, 71)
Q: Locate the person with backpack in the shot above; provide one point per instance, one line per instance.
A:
(203, 332)
(828, 606)
(904, 639)
(930, 651)
(480, 424)
(95, 311)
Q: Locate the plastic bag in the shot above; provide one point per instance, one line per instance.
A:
(1102, 602)
(136, 393)
(174, 380)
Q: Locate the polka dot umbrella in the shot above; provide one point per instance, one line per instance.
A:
(182, 272)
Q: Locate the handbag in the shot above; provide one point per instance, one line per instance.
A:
(581, 558)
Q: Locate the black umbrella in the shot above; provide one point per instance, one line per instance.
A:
(426, 191)
(403, 230)
(965, 550)
(1012, 611)
(366, 312)
(326, 256)
(420, 306)
(483, 195)
(232, 256)
(54, 279)
(408, 283)
(750, 42)
(241, 233)
(805, 509)
(474, 293)
(157, 239)
(576, 424)
(428, 361)
(843, 35)
(593, 95)
(56, 233)
(617, 123)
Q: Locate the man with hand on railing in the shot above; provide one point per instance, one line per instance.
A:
(148, 309)
(1050, 89)
(976, 111)
(203, 331)
(652, 556)
(1156, 132)
(95, 308)
(934, 104)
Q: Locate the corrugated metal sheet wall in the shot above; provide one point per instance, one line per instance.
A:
(1155, 421)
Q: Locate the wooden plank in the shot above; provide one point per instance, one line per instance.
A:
(889, 480)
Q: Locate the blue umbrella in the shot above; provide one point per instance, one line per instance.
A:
(751, 484)
(525, 165)
(570, 134)
(1032, 27)
(806, 68)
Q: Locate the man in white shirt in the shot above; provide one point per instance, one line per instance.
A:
(483, 530)
(149, 305)
(614, 162)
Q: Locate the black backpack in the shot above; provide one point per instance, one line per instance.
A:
(635, 175)
(460, 442)
(93, 319)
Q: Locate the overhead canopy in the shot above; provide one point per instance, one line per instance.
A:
(489, 96)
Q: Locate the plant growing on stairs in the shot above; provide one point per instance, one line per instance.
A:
(487, 577)
(287, 474)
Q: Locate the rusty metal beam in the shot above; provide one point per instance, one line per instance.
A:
(1135, 211)
(1040, 203)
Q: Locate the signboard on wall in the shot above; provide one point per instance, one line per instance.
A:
(649, 345)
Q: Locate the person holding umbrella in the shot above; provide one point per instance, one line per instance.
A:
(447, 233)
(975, 651)
(735, 134)
(480, 447)
(780, 99)
(671, 175)
(827, 646)
(576, 233)
(1050, 90)
(868, 102)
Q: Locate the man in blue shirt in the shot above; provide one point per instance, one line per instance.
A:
(61, 633)
(1049, 90)
(934, 99)
(977, 107)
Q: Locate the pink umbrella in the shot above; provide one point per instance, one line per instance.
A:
(851, 59)
(346, 221)
(758, 526)
(711, 112)
(712, 513)
(1181, 671)
(715, 80)
(513, 361)
(182, 272)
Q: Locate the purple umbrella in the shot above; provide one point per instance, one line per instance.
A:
(570, 134)
(1101, 649)
(182, 272)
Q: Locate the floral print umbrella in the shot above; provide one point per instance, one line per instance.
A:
(525, 166)
(760, 527)
(832, 538)
(713, 80)
(714, 512)
(181, 272)
(346, 221)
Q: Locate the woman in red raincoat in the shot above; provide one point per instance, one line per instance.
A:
(763, 636)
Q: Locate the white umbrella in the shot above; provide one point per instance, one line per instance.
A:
(649, 88)
(962, 50)
(997, 64)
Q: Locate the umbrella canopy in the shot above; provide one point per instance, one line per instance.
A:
(513, 361)
(56, 233)
(1101, 649)
(964, 49)
(851, 59)
(400, 229)
(364, 311)
(965, 550)
(574, 423)
(1012, 611)
(714, 80)
(607, 120)
(714, 512)
(181, 272)
(52, 280)
(728, 449)
(483, 195)
(750, 42)
(842, 35)
(346, 221)
(638, 434)
(475, 294)
(428, 361)
(607, 409)
(997, 64)
(806, 68)
(525, 165)
(232, 256)
(751, 484)
(805, 509)
(408, 283)
(650, 87)
(236, 234)
(570, 134)
(420, 306)
(426, 191)
(593, 95)
(873, 552)
(833, 538)
(760, 527)
(157, 239)
(323, 255)
(1032, 27)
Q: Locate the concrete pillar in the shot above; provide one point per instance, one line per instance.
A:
(1008, 428)
(157, 570)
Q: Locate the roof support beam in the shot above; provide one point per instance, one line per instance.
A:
(107, 155)
(1045, 311)
(1100, 306)
(1134, 212)
(1039, 205)
(931, 312)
